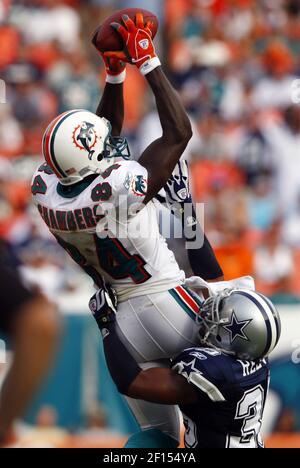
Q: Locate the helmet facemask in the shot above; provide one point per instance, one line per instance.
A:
(114, 147)
(210, 321)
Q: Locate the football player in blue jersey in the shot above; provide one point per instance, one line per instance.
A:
(221, 386)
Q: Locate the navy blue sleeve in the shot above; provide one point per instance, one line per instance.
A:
(203, 369)
(203, 260)
(122, 366)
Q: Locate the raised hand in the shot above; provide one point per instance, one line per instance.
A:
(138, 45)
(115, 69)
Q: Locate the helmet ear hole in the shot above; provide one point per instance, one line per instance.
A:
(219, 339)
(100, 157)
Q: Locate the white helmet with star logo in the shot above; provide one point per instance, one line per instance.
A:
(240, 322)
(78, 143)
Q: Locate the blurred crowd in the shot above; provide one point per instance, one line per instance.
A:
(236, 65)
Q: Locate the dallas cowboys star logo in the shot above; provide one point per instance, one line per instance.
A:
(236, 328)
(186, 368)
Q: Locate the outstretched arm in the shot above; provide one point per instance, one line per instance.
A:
(179, 200)
(158, 385)
(162, 155)
(111, 105)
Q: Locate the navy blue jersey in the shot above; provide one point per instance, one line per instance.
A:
(231, 399)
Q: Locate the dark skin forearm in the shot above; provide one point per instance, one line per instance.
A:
(111, 107)
(163, 386)
(172, 114)
(163, 154)
(158, 385)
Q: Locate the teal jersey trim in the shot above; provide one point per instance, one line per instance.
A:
(72, 191)
(179, 301)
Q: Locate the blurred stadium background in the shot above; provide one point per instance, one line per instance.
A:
(234, 63)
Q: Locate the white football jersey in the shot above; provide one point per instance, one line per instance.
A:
(104, 227)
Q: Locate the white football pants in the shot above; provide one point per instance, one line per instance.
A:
(155, 328)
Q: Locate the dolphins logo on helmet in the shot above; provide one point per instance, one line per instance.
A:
(85, 137)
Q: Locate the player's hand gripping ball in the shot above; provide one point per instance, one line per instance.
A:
(107, 39)
(114, 67)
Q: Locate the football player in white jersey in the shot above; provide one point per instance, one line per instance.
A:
(98, 204)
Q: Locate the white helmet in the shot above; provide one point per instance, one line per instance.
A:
(78, 143)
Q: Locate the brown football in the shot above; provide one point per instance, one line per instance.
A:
(106, 38)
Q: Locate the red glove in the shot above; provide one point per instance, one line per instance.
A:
(138, 46)
(115, 70)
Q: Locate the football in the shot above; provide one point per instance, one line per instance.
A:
(106, 39)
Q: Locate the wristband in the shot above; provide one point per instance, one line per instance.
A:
(116, 79)
(150, 65)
